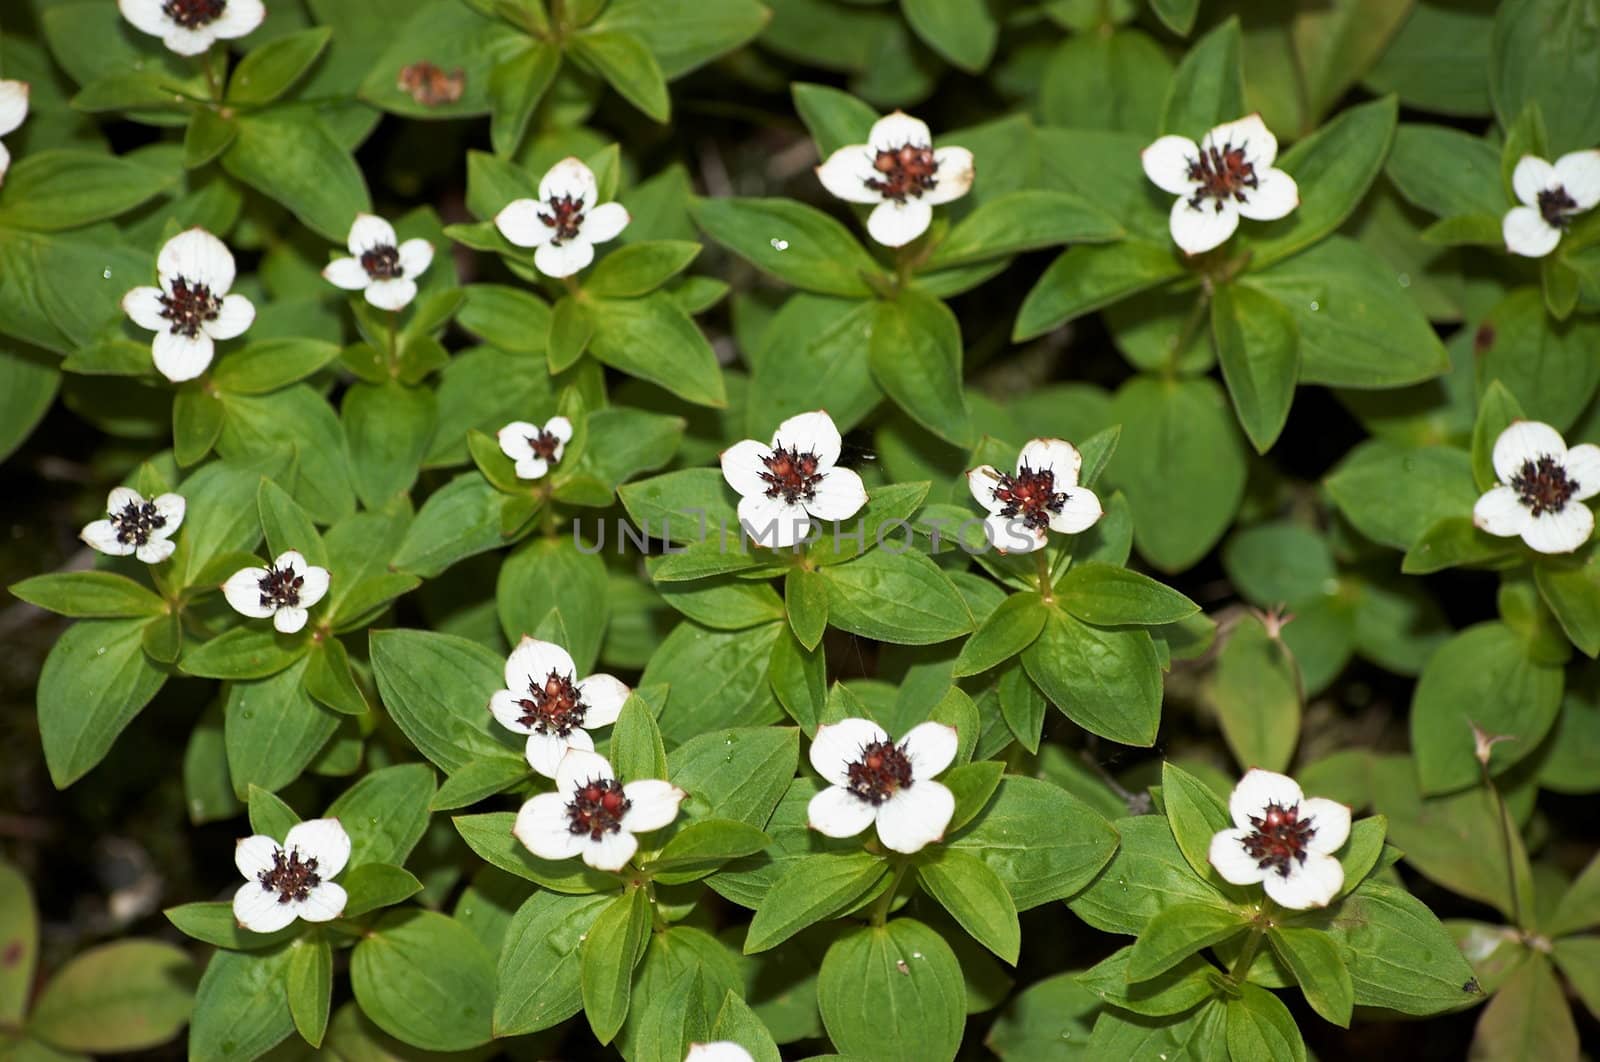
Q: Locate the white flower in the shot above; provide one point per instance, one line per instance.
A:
(283, 591)
(1228, 174)
(564, 223)
(1282, 841)
(1542, 489)
(1042, 496)
(784, 485)
(718, 1051)
(291, 880)
(13, 109)
(900, 170)
(871, 779)
(533, 448)
(190, 27)
(380, 266)
(545, 701)
(133, 525)
(593, 815)
(192, 307)
(1551, 196)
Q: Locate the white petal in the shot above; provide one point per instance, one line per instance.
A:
(1532, 176)
(144, 306)
(171, 508)
(603, 697)
(156, 550)
(102, 535)
(839, 496)
(324, 903)
(837, 812)
(258, 910)
(1274, 196)
(1579, 174)
(895, 224)
(564, 260)
(324, 840)
(1524, 441)
(1250, 134)
(146, 16)
(393, 295)
(953, 176)
(931, 748)
(416, 255)
(897, 130)
(1009, 534)
(605, 222)
(846, 172)
(243, 591)
(1331, 822)
(1560, 532)
(520, 223)
(742, 466)
(1313, 883)
(1256, 790)
(254, 855)
(1501, 512)
(544, 752)
(1079, 512)
(915, 816)
(1583, 470)
(718, 1051)
(239, 18)
(570, 179)
(5, 162)
(838, 745)
(532, 661)
(543, 827)
(981, 481)
(561, 428)
(180, 358)
(531, 468)
(579, 766)
(654, 803)
(315, 585)
(290, 619)
(190, 42)
(1228, 855)
(773, 522)
(346, 273)
(504, 706)
(122, 497)
(513, 440)
(1197, 229)
(292, 559)
(198, 257)
(235, 316)
(1057, 455)
(1527, 233)
(1166, 163)
(813, 433)
(611, 852)
(368, 233)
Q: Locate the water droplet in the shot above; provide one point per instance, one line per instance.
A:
(100, 651)
(916, 955)
(1315, 306)
(1404, 279)
(105, 274)
(779, 245)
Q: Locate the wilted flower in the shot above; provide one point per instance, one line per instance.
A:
(784, 485)
(1551, 196)
(544, 700)
(871, 779)
(190, 27)
(533, 448)
(192, 308)
(565, 222)
(1043, 495)
(291, 880)
(1543, 486)
(283, 591)
(1282, 841)
(1228, 174)
(133, 525)
(382, 268)
(593, 815)
(900, 170)
(13, 109)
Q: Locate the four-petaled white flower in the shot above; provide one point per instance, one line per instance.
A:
(134, 525)
(565, 222)
(784, 485)
(13, 109)
(382, 268)
(192, 308)
(593, 815)
(900, 170)
(1043, 495)
(545, 701)
(190, 27)
(1228, 174)
(718, 1051)
(291, 880)
(1282, 841)
(1551, 195)
(871, 779)
(1543, 486)
(284, 591)
(533, 448)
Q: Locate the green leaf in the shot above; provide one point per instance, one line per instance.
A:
(374, 885)
(636, 748)
(516, 85)
(1176, 933)
(459, 520)
(1090, 277)
(95, 680)
(805, 595)
(640, 268)
(795, 243)
(197, 417)
(1257, 694)
(269, 71)
(1007, 631)
(1022, 221)
(915, 355)
(835, 118)
(613, 947)
(1315, 961)
(963, 31)
(123, 996)
(269, 364)
(571, 329)
(1044, 843)
(1258, 347)
(213, 923)
(389, 428)
(478, 779)
(297, 162)
(490, 837)
(207, 136)
(1543, 54)
(1196, 814)
(510, 318)
(19, 940)
(1147, 874)
(309, 987)
(701, 847)
(1579, 906)
(329, 680)
(86, 595)
(1546, 365)
(539, 962)
(245, 653)
(1261, 1028)
(892, 993)
(1400, 957)
(1207, 89)
(425, 979)
(975, 896)
(653, 339)
(273, 729)
(1106, 681)
(286, 526)
(1180, 988)
(1528, 1016)
(550, 574)
(241, 1009)
(814, 888)
(629, 67)
(425, 678)
(1392, 494)
(28, 385)
(1571, 588)
(1109, 596)
(895, 597)
(1446, 172)
(1177, 15)
(386, 812)
(47, 191)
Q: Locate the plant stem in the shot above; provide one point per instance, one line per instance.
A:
(1505, 841)
(1191, 326)
(394, 341)
(1046, 584)
(213, 85)
(1241, 965)
(880, 910)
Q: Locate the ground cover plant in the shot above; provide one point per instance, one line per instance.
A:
(800, 529)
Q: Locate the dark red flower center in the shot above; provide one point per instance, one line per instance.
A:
(290, 877)
(597, 807)
(566, 217)
(188, 306)
(1543, 485)
(1222, 173)
(383, 262)
(280, 588)
(192, 14)
(1280, 838)
(1030, 494)
(553, 706)
(544, 445)
(791, 474)
(904, 172)
(883, 770)
(135, 522)
(1557, 207)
